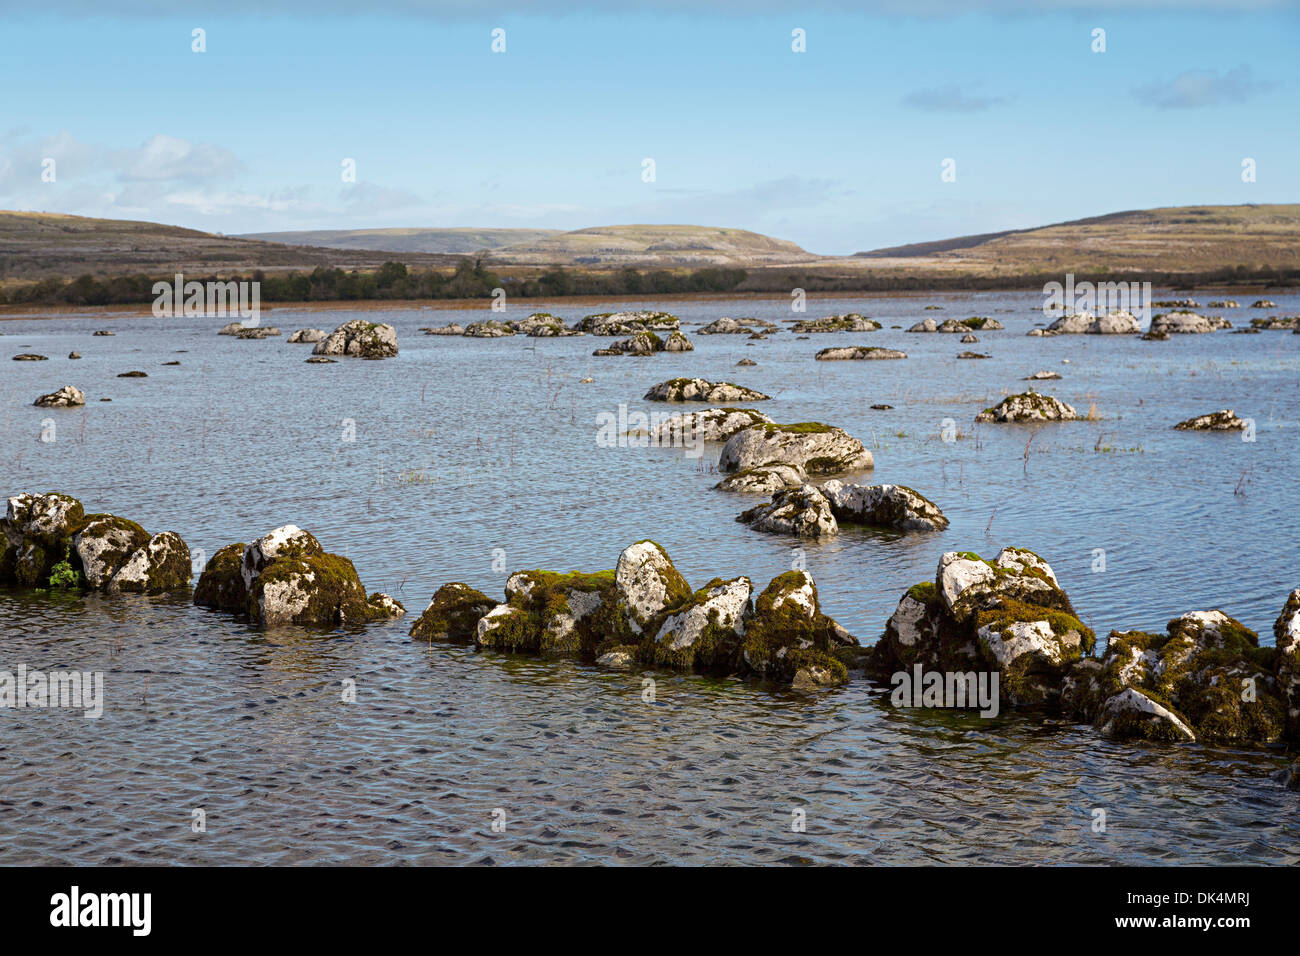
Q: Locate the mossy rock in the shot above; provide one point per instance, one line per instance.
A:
(221, 585)
(452, 615)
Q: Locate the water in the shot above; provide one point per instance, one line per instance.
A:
(463, 447)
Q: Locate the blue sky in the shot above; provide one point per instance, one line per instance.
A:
(838, 148)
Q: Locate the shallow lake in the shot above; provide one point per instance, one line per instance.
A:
(423, 469)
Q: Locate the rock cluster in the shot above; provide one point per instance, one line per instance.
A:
(286, 577)
(359, 339)
(700, 390)
(643, 612)
(1186, 323)
(49, 541)
(1008, 615)
(858, 353)
(627, 323)
(306, 336)
(1116, 323)
(1221, 421)
(648, 343)
(1029, 407)
(850, 322)
(1205, 678)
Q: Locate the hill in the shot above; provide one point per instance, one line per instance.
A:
(664, 247)
(35, 245)
(454, 241)
(1170, 239)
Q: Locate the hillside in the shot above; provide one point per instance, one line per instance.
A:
(39, 245)
(657, 246)
(442, 241)
(1172, 239)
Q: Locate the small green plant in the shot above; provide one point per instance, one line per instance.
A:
(64, 575)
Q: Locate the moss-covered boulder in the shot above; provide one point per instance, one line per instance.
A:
(221, 583)
(287, 577)
(883, 506)
(1029, 407)
(817, 448)
(49, 541)
(802, 511)
(1205, 678)
(553, 614)
(453, 614)
(1007, 615)
(849, 322)
(646, 584)
(160, 564)
(543, 325)
(702, 390)
(105, 544)
(705, 633)
(790, 640)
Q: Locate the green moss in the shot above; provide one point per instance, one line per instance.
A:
(925, 592)
(453, 614)
(221, 585)
(799, 428)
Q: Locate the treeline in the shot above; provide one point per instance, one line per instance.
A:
(470, 280)
(393, 280)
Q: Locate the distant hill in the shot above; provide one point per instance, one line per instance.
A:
(35, 245)
(1171, 239)
(443, 241)
(655, 246)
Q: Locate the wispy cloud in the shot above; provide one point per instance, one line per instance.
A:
(950, 99)
(1193, 89)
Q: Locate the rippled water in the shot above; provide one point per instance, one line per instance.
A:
(465, 446)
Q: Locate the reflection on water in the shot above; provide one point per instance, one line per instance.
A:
(467, 446)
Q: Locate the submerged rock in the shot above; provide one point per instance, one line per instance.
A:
(812, 446)
(1263, 304)
(258, 332)
(1042, 376)
(802, 511)
(1029, 407)
(31, 357)
(451, 328)
(973, 355)
(359, 339)
(883, 506)
(306, 336)
(858, 352)
(700, 390)
(287, 577)
(68, 396)
(1220, 421)
(49, 541)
